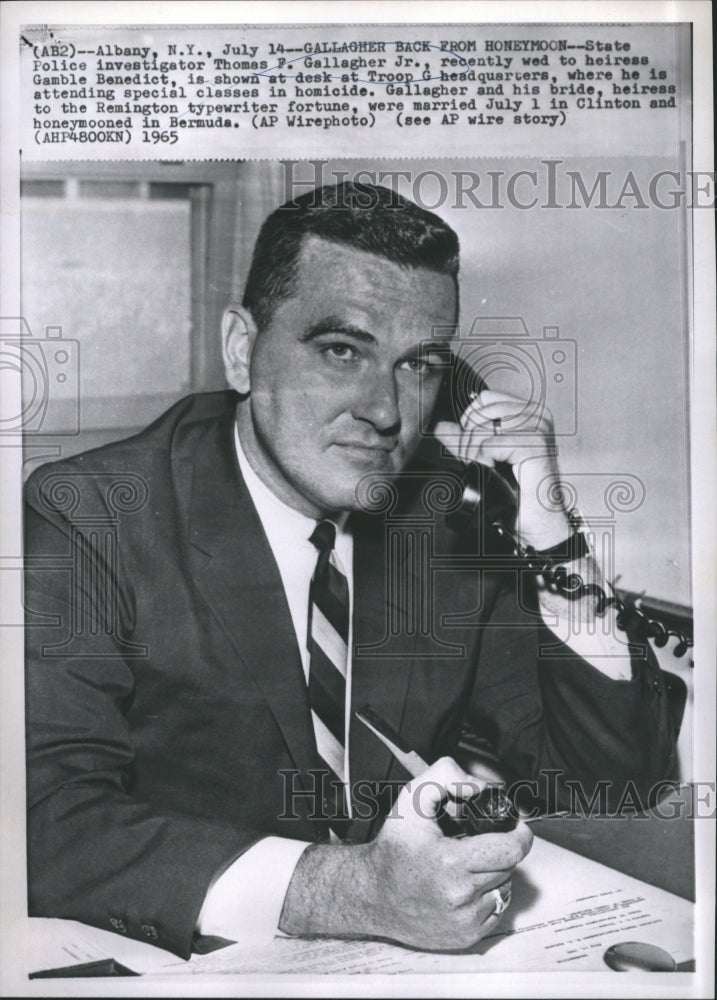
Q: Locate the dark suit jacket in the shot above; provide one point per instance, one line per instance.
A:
(165, 694)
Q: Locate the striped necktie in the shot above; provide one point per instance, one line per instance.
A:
(328, 636)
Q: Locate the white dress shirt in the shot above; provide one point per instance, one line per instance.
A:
(245, 902)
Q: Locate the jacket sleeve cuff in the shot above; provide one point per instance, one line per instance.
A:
(244, 904)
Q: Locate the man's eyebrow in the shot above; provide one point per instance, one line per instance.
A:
(332, 324)
(425, 347)
(436, 347)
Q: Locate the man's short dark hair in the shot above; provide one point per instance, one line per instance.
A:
(364, 216)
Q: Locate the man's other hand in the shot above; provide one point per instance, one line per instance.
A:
(411, 884)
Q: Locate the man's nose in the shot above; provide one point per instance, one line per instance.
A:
(378, 403)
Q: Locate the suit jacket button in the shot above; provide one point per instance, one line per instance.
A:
(657, 686)
(150, 931)
(118, 925)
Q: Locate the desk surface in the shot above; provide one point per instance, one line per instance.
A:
(565, 911)
(656, 850)
(659, 851)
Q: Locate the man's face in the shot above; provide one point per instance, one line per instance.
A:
(339, 380)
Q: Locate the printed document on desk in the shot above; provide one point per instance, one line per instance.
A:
(65, 944)
(565, 911)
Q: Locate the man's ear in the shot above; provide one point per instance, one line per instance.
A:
(238, 336)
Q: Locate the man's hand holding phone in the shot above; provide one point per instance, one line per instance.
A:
(497, 427)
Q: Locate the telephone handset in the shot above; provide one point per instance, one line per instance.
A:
(493, 490)
(493, 495)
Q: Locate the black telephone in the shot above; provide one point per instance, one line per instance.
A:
(496, 492)
(494, 489)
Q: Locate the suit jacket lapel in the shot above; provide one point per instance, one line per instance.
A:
(236, 573)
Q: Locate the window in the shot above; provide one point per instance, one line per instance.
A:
(116, 261)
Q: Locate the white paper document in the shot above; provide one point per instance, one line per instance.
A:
(565, 911)
(58, 944)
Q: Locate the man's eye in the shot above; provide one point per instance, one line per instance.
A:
(422, 366)
(340, 352)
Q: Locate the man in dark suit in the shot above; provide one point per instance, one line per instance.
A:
(193, 594)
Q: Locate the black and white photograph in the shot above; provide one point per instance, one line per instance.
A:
(358, 386)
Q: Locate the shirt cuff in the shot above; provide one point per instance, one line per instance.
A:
(245, 902)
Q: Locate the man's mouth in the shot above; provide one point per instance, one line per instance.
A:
(376, 455)
(385, 447)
